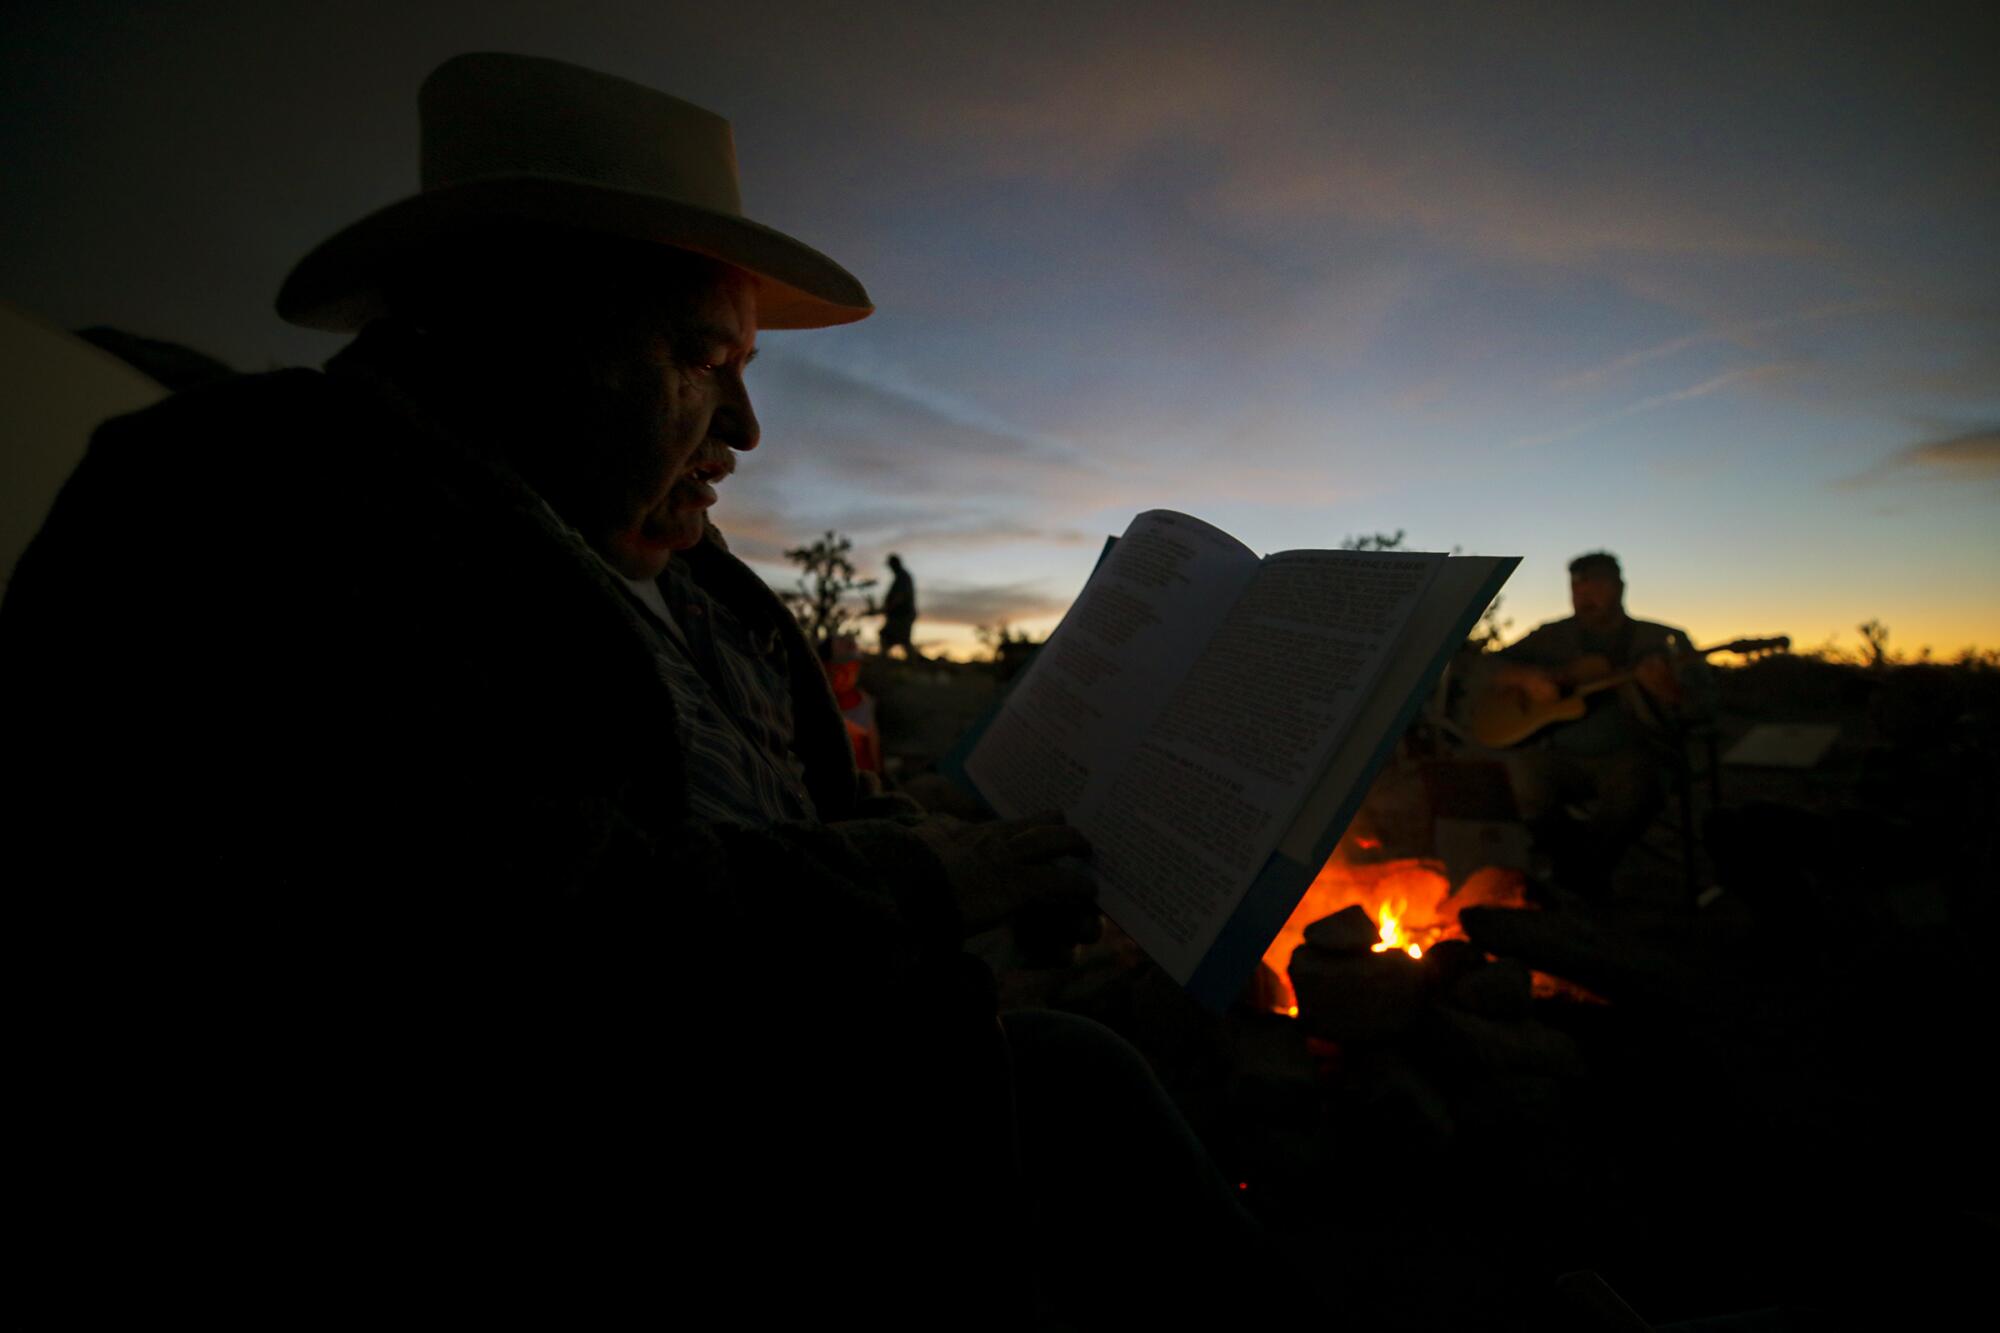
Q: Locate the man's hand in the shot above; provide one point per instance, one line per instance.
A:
(1656, 677)
(996, 868)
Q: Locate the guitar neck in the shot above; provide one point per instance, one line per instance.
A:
(1613, 681)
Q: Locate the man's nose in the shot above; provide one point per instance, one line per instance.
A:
(735, 422)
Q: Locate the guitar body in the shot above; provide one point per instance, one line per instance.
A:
(1504, 717)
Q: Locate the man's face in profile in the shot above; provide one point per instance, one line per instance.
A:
(682, 411)
(1598, 601)
(632, 408)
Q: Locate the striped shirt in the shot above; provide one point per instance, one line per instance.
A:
(732, 705)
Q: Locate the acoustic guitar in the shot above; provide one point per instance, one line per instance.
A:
(1503, 717)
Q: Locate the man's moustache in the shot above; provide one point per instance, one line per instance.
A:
(719, 463)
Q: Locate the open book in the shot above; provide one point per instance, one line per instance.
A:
(1212, 720)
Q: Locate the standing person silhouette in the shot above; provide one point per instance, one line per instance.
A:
(899, 611)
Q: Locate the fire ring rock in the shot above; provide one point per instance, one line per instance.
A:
(1350, 930)
(1349, 996)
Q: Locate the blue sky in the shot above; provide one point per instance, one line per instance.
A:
(1713, 289)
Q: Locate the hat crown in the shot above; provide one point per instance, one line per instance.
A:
(490, 116)
(544, 143)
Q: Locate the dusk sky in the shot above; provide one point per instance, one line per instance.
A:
(1713, 287)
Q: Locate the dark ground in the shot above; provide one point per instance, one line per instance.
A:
(1782, 1107)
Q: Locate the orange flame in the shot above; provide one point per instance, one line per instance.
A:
(1393, 913)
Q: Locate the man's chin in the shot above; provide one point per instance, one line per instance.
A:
(645, 554)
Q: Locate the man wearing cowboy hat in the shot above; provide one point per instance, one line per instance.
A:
(447, 859)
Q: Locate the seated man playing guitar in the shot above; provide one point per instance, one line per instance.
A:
(1621, 682)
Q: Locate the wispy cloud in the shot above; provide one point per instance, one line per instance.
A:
(759, 533)
(872, 417)
(895, 463)
(1267, 148)
(888, 459)
(1971, 457)
(973, 533)
(1456, 192)
(1654, 402)
(1742, 333)
(893, 379)
(901, 454)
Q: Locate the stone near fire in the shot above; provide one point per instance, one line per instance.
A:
(1357, 996)
(1449, 960)
(1504, 988)
(1619, 966)
(1492, 1045)
(1387, 1099)
(1350, 930)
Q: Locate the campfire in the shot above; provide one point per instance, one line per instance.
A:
(1409, 899)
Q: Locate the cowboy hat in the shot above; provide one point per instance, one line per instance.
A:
(525, 140)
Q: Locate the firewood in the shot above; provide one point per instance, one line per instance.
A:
(1350, 930)
(1503, 988)
(1357, 996)
(1519, 1046)
(1622, 969)
(1450, 960)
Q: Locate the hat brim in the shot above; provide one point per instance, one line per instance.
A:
(338, 286)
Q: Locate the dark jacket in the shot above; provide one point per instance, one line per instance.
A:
(365, 923)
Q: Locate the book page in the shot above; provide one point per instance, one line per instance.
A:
(1187, 825)
(1109, 668)
(1450, 608)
